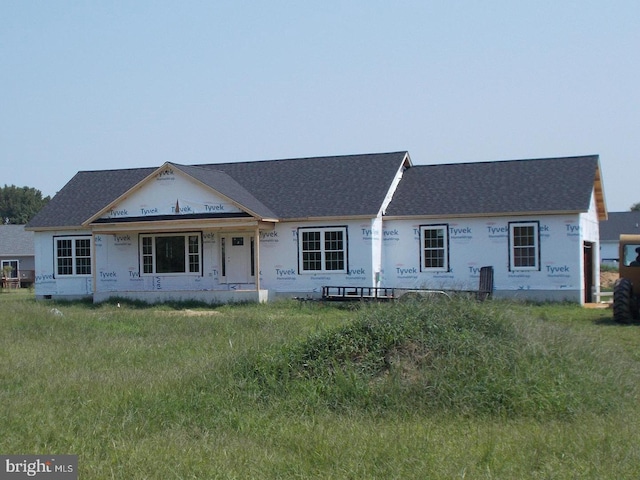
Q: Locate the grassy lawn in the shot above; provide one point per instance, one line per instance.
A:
(304, 390)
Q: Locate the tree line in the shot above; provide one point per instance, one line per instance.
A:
(18, 205)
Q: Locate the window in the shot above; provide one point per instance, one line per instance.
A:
(631, 255)
(524, 246)
(322, 249)
(171, 253)
(73, 255)
(11, 267)
(434, 251)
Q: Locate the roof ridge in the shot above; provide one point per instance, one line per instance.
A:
(513, 160)
(290, 159)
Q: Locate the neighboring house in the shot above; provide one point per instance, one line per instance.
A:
(17, 252)
(258, 230)
(618, 223)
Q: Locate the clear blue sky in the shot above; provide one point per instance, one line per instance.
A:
(88, 85)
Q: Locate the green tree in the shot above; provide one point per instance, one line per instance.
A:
(635, 207)
(18, 205)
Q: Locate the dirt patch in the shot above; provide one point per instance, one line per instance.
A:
(607, 279)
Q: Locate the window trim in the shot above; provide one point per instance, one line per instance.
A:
(536, 245)
(447, 264)
(73, 257)
(142, 255)
(15, 272)
(322, 230)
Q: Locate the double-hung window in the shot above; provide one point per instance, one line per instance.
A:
(524, 246)
(434, 248)
(73, 255)
(171, 253)
(322, 250)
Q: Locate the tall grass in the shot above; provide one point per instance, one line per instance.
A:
(305, 390)
(447, 357)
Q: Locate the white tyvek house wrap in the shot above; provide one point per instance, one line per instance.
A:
(117, 262)
(279, 257)
(162, 193)
(478, 242)
(46, 281)
(118, 269)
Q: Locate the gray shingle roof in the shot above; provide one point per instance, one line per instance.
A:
(502, 187)
(15, 240)
(224, 184)
(619, 223)
(85, 194)
(350, 185)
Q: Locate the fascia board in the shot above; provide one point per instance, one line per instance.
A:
(598, 190)
(328, 219)
(58, 229)
(406, 163)
(484, 215)
(173, 225)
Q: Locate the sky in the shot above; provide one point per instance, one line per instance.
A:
(92, 85)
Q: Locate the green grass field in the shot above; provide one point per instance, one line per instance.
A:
(305, 390)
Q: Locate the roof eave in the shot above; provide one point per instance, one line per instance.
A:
(483, 215)
(57, 228)
(598, 188)
(331, 218)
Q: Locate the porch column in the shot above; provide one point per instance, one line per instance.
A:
(257, 257)
(94, 272)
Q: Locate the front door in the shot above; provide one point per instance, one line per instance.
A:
(237, 258)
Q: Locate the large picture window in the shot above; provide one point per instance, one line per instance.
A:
(322, 250)
(171, 253)
(524, 246)
(73, 255)
(434, 247)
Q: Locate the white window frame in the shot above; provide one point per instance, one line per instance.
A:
(516, 248)
(323, 251)
(150, 256)
(15, 272)
(444, 248)
(75, 256)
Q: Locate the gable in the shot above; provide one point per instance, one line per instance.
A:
(167, 192)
